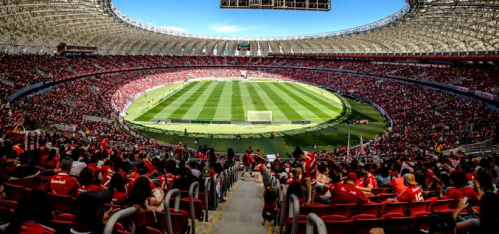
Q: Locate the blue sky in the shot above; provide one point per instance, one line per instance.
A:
(206, 17)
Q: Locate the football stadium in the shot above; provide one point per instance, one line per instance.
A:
(249, 116)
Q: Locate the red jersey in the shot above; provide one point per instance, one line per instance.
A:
(460, 193)
(63, 184)
(118, 197)
(371, 180)
(32, 227)
(166, 181)
(360, 182)
(151, 169)
(429, 176)
(248, 160)
(310, 169)
(107, 172)
(348, 194)
(413, 193)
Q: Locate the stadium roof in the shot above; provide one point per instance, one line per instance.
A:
(38, 26)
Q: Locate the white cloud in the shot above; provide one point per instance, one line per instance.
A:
(174, 28)
(225, 28)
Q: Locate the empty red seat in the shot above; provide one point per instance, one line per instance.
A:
(150, 218)
(370, 208)
(62, 204)
(393, 207)
(319, 209)
(398, 221)
(363, 216)
(419, 208)
(345, 210)
(31, 183)
(14, 192)
(9, 204)
(441, 205)
(66, 217)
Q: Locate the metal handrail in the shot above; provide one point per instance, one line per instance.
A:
(108, 229)
(294, 211)
(313, 219)
(214, 187)
(207, 184)
(193, 193)
(168, 216)
(284, 197)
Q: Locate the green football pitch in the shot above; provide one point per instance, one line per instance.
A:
(230, 100)
(233, 100)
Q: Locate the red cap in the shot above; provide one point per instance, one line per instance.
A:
(352, 176)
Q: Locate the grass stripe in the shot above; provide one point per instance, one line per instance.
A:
(237, 108)
(287, 110)
(313, 97)
(148, 115)
(210, 106)
(260, 105)
(316, 111)
(188, 103)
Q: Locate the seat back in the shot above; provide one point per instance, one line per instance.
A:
(301, 225)
(370, 208)
(14, 192)
(176, 220)
(31, 183)
(62, 204)
(394, 207)
(385, 196)
(395, 222)
(319, 209)
(418, 207)
(441, 205)
(339, 226)
(345, 210)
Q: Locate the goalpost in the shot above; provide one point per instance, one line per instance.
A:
(259, 116)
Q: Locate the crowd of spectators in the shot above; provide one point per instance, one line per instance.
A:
(89, 155)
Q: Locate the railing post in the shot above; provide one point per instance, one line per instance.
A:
(168, 196)
(284, 198)
(207, 185)
(215, 195)
(108, 229)
(313, 219)
(193, 193)
(294, 211)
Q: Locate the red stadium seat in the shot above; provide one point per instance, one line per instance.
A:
(14, 192)
(338, 226)
(9, 204)
(441, 205)
(62, 225)
(370, 208)
(150, 218)
(319, 209)
(62, 204)
(363, 216)
(377, 191)
(393, 208)
(419, 208)
(345, 210)
(398, 221)
(302, 224)
(31, 183)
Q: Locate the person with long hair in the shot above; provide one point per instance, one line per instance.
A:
(488, 219)
(86, 181)
(145, 197)
(117, 189)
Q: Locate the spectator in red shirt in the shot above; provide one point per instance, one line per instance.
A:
(347, 193)
(368, 182)
(117, 189)
(93, 165)
(86, 181)
(62, 183)
(412, 192)
(107, 172)
(459, 191)
(309, 171)
(33, 214)
(248, 164)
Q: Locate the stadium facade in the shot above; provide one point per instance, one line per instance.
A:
(423, 27)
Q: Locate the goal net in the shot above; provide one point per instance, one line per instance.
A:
(259, 116)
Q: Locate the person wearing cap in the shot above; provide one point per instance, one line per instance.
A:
(412, 192)
(309, 166)
(347, 193)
